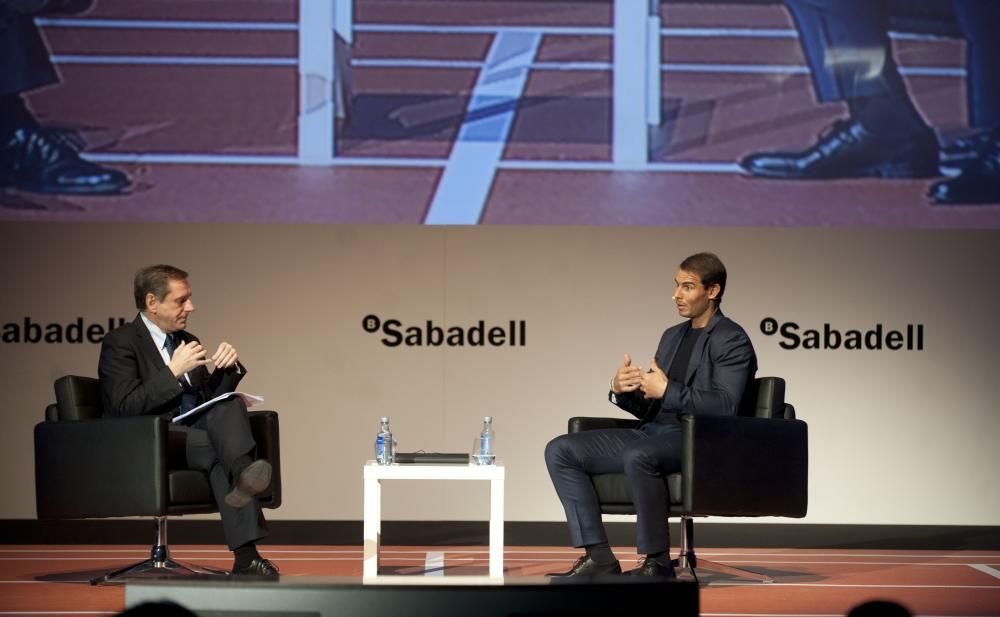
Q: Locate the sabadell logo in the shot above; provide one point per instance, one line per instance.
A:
(429, 334)
(879, 337)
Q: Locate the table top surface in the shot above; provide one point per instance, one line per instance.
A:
(437, 471)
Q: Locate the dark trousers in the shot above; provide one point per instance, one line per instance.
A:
(846, 44)
(646, 456)
(211, 442)
(24, 66)
(24, 58)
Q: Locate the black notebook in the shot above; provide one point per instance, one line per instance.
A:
(425, 458)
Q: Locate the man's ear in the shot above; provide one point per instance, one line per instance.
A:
(713, 291)
(151, 302)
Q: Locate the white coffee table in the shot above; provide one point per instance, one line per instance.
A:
(374, 474)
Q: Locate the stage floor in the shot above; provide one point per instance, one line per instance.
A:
(52, 580)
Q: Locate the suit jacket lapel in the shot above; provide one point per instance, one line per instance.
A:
(146, 345)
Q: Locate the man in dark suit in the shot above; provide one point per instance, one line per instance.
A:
(709, 364)
(154, 366)
(33, 158)
(847, 47)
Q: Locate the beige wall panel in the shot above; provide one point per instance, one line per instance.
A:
(896, 437)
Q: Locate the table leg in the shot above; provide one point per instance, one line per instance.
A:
(496, 528)
(372, 526)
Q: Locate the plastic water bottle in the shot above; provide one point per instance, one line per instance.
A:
(385, 447)
(486, 451)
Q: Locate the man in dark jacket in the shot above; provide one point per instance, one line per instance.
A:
(154, 366)
(708, 364)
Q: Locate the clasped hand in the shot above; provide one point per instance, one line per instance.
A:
(192, 354)
(628, 378)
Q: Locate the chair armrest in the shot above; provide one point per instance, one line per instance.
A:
(100, 468)
(578, 424)
(738, 466)
(264, 426)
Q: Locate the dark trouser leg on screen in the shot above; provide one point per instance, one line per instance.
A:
(570, 460)
(976, 157)
(978, 20)
(24, 59)
(846, 43)
(847, 46)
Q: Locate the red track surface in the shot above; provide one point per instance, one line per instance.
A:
(807, 581)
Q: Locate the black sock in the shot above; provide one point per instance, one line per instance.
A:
(887, 114)
(14, 115)
(245, 554)
(601, 553)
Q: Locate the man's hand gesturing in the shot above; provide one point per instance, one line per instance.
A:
(225, 356)
(187, 356)
(627, 378)
(654, 383)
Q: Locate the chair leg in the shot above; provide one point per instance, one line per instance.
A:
(688, 561)
(159, 563)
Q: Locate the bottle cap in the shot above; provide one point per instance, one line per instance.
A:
(487, 418)
(384, 419)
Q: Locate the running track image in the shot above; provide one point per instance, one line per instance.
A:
(463, 112)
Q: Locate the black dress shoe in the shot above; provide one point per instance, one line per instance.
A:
(978, 182)
(585, 566)
(848, 150)
(44, 161)
(959, 153)
(251, 481)
(652, 567)
(258, 567)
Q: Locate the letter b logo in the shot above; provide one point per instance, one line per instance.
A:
(769, 325)
(371, 323)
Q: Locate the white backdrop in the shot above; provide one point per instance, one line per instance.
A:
(896, 437)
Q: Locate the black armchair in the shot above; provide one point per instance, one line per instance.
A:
(88, 466)
(751, 464)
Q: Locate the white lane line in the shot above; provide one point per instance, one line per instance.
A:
(176, 60)
(148, 24)
(165, 24)
(426, 63)
(667, 67)
(982, 567)
(466, 181)
(675, 167)
(434, 564)
(416, 63)
(251, 159)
